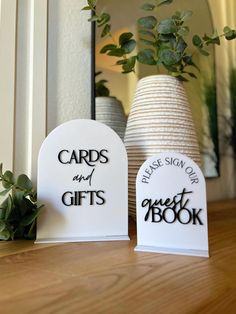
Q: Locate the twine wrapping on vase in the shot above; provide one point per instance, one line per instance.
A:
(160, 120)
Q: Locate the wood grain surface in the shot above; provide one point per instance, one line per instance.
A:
(109, 277)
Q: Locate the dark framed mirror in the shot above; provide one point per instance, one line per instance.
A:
(201, 92)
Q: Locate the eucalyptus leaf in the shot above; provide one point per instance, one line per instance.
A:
(103, 19)
(5, 192)
(147, 42)
(24, 183)
(107, 48)
(129, 65)
(183, 31)
(148, 7)
(9, 177)
(167, 26)
(5, 235)
(169, 57)
(118, 52)
(2, 225)
(146, 56)
(165, 2)
(185, 15)
(129, 46)
(148, 22)
(124, 38)
(9, 207)
(86, 8)
(147, 33)
(92, 3)
(203, 52)
(197, 41)
(1, 169)
(106, 30)
(27, 220)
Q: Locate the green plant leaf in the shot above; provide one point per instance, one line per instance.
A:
(2, 225)
(94, 18)
(189, 61)
(92, 3)
(4, 192)
(229, 33)
(148, 7)
(107, 48)
(129, 46)
(148, 22)
(32, 231)
(147, 33)
(5, 235)
(3, 208)
(27, 220)
(8, 179)
(203, 52)
(186, 15)
(24, 183)
(9, 207)
(103, 19)
(146, 56)
(181, 45)
(86, 8)
(106, 30)
(125, 37)
(167, 26)
(1, 166)
(183, 31)
(169, 57)
(129, 65)
(197, 41)
(147, 42)
(118, 52)
(165, 2)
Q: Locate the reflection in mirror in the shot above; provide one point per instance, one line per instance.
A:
(117, 90)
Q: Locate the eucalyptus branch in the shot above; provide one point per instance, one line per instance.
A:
(164, 40)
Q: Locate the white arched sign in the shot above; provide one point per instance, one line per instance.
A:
(171, 206)
(82, 180)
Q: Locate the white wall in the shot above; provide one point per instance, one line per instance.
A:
(69, 62)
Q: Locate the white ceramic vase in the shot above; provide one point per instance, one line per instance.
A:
(109, 111)
(160, 120)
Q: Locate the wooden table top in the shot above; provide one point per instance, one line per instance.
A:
(109, 277)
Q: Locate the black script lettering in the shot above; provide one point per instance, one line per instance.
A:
(171, 210)
(82, 178)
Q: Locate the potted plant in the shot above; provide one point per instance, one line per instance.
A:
(19, 209)
(160, 118)
(109, 110)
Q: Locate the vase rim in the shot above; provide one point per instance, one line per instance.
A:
(159, 76)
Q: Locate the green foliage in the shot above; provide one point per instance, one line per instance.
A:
(19, 210)
(165, 41)
(100, 88)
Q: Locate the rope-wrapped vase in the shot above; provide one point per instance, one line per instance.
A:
(160, 120)
(109, 110)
